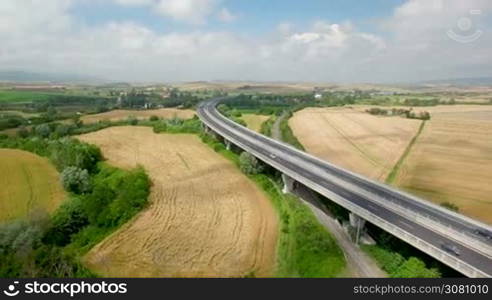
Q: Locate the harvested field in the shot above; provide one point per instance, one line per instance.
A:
(452, 160)
(367, 144)
(116, 115)
(29, 184)
(254, 121)
(205, 218)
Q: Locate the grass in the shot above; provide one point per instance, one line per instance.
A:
(254, 121)
(287, 134)
(305, 248)
(22, 96)
(394, 172)
(29, 184)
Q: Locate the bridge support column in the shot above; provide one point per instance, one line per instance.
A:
(357, 223)
(289, 184)
(209, 131)
(228, 144)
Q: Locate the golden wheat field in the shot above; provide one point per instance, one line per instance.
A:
(29, 184)
(204, 219)
(254, 121)
(452, 160)
(367, 144)
(116, 115)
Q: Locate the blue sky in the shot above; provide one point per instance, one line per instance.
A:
(253, 17)
(263, 40)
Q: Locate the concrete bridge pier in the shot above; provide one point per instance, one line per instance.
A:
(228, 144)
(357, 223)
(209, 131)
(289, 184)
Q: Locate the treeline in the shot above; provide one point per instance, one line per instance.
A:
(176, 98)
(407, 113)
(13, 120)
(399, 259)
(269, 104)
(102, 198)
(287, 133)
(231, 113)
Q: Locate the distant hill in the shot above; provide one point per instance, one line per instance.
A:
(472, 81)
(24, 77)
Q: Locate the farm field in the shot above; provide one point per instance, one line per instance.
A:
(19, 113)
(254, 121)
(116, 115)
(367, 144)
(451, 161)
(10, 96)
(205, 218)
(29, 184)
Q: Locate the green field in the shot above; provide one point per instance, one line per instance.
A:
(10, 96)
(30, 184)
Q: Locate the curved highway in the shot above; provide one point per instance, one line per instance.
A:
(462, 243)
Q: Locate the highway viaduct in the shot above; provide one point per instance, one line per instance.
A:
(462, 243)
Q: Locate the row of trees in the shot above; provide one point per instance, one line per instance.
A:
(101, 199)
(407, 113)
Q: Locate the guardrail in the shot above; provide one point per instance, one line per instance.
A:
(406, 236)
(424, 219)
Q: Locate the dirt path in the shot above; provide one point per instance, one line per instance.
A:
(359, 264)
(276, 133)
(205, 218)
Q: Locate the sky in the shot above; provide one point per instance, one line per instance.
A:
(341, 41)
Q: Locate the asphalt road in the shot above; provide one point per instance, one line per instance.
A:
(309, 167)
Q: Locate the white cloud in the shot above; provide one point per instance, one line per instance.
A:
(193, 11)
(42, 35)
(190, 11)
(134, 2)
(226, 16)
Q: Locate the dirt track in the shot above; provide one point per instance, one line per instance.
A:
(205, 217)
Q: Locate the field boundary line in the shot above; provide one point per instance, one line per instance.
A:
(396, 168)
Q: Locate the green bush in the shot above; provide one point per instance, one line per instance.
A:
(75, 180)
(250, 164)
(69, 219)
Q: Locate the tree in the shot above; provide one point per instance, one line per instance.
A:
(249, 164)
(43, 130)
(132, 120)
(450, 206)
(63, 130)
(23, 132)
(75, 180)
(154, 118)
(415, 268)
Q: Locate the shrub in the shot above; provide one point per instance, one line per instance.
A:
(75, 180)
(249, 164)
(450, 206)
(153, 118)
(43, 130)
(132, 120)
(68, 219)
